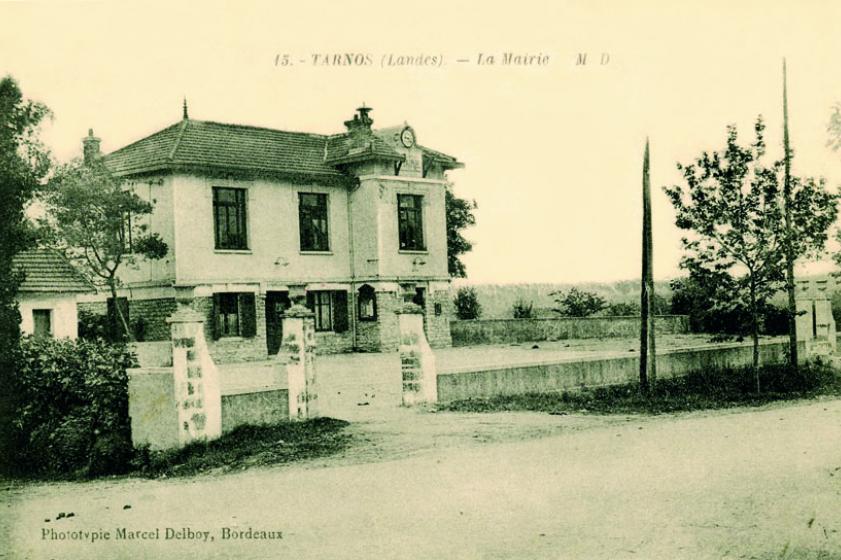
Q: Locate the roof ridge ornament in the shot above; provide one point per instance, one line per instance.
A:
(185, 114)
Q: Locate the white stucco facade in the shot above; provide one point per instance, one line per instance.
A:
(62, 313)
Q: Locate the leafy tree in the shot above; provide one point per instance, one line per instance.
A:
(99, 224)
(523, 310)
(578, 303)
(459, 216)
(733, 204)
(24, 162)
(467, 304)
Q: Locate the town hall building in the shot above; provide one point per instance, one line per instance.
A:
(352, 225)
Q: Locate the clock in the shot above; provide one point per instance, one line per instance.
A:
(407, 137)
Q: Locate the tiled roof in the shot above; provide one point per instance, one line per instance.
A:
(211, 145)
(347, 148)
(191, 144)
(45, 270)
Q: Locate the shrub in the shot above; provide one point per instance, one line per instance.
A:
(578, 303)
(72, 414)
(523, 310)
(93, 326)
(467, 304)
(622, 310)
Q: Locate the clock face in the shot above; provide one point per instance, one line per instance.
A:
(407, 137)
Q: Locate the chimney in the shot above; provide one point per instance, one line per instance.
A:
(360, 122)
(90, 147)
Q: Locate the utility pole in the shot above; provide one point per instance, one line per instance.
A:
(789, 252)
(648, 367)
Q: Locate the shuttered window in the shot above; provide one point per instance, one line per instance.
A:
(330, 309)
(234, 314)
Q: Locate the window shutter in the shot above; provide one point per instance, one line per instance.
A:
(311, 301)
(248, 315)
(214, 318)
(340, 319)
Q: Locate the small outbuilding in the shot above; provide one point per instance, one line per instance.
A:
(47, 295)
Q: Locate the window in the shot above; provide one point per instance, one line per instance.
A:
(410, 222)
(367, 303)
(229, 218)
(234, 314)
(42, 323)
(312, 217)
(330, 309)
(125, 232)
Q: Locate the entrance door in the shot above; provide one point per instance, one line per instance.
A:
(276, 304)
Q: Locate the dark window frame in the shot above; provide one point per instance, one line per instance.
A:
(48, 313)
(331, 311)
(323, 299)
(227, 213)
(410, 222)
(314, 222)
(228, 322)
(234, 315)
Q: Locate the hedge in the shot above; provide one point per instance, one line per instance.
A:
(71, 418)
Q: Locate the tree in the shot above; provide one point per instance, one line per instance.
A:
(467, 304)
(648, 368)
(578, 303)
(733, 204)
(24, 162)
(459, 216)
(99, 225)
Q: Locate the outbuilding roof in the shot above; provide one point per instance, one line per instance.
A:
(45, 270)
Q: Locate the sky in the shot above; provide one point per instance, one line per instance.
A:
(552, 151)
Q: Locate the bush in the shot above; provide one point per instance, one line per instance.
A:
(72, 414)
(578, 303)
(94, 326)
(622, 310)
(523, 310)
(467, 304)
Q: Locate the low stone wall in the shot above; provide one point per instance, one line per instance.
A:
(153, 354)
(267, 405)
(558, 376)
(503, 331)
(152, 407)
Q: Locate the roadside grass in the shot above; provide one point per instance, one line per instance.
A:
(247, 446)
(709, 389)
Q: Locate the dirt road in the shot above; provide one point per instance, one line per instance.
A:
(744, 484)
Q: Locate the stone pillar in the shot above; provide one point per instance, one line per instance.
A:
(198, 397)
(417, 362)
(815, 323)
(297, 354)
